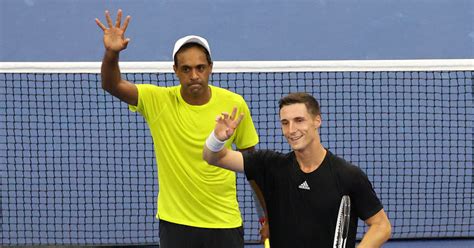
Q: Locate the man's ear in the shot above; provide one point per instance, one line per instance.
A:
(317, 121)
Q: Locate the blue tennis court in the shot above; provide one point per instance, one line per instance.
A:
(418, 244)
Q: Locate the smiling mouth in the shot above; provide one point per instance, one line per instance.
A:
(295, 138)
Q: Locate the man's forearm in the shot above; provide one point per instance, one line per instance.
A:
(226, 158)
(375, 236)
(110, 71)
(213, 158)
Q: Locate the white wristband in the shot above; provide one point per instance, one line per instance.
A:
(213, 143)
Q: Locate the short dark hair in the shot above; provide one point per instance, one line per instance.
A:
(300, 97)
(189, 45)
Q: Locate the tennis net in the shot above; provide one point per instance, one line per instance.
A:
(78, 168)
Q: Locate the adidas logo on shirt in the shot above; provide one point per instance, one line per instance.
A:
(304, 185)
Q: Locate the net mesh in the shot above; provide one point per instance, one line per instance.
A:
(78, 168)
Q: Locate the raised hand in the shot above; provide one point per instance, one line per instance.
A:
(114, 39)
(226, 125)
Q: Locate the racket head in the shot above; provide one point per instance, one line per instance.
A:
(343, 223)
(346, 213)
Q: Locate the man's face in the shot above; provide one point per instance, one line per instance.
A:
(299, 126)
(193, 71)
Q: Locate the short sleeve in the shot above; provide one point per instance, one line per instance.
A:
(258, 166)
(364, 197)
(253, 165)
(150, 100)
(246, 134)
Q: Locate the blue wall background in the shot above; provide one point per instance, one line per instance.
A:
(64, 30)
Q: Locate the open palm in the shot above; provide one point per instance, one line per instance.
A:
(114, 35)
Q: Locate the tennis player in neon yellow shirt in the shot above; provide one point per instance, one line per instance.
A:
(197, 203)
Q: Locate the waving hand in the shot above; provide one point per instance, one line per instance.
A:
(226, 125)
(114, 35)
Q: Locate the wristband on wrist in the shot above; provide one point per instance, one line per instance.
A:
(213, 143)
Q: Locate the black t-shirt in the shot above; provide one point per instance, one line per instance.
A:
(303, 207)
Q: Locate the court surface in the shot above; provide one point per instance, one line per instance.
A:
(459, 243)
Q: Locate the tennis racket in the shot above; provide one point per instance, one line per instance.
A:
(342, 225)
(259, 202)
(261, 218)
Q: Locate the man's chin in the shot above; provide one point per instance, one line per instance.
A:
(295, 147)
(195, 90)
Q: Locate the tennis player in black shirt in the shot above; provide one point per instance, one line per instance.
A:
(303, 188)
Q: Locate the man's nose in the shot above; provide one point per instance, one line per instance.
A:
(291, 127)
(194, 74)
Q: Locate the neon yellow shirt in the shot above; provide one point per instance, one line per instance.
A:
(192, 192)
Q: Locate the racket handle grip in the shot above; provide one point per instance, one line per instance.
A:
(266, 244)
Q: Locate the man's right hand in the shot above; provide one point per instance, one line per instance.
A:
(114, 42)
(114, 39)
(226, 124)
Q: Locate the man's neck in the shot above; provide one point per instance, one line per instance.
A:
(197, 99)
(310, 159)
